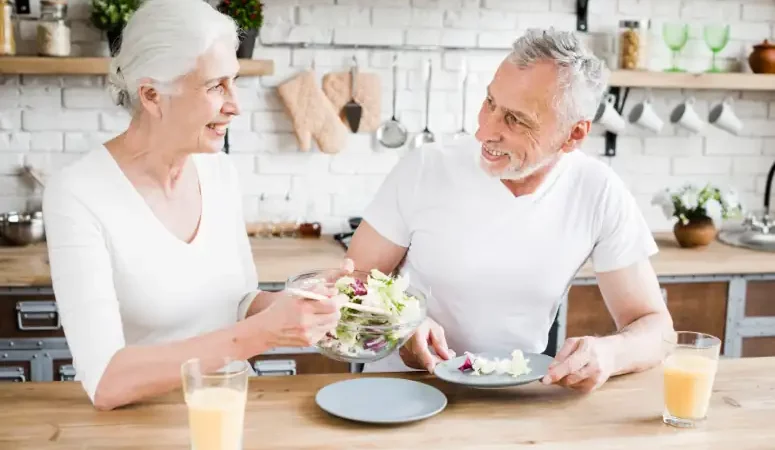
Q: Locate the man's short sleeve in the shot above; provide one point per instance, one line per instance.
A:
(624, 237)
(390, 211)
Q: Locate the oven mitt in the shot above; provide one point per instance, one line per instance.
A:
(312, 114)
(368, 94)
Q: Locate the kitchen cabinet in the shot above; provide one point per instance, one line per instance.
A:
(587, 313)
(33, 346)
(700, 307)
(305, 362)
(695, 306)
(760, 298)
(29, 315)
(32, 342)
(759, 304)
(15, 366)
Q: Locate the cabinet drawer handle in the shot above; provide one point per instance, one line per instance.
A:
(26, 311)
(67, 373)
(275, 367)
(13, 374)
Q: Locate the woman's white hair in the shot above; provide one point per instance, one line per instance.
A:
(583, 77)
(162, 42)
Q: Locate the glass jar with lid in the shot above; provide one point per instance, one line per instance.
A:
(632, 45)
(53, 37)
(7, 28)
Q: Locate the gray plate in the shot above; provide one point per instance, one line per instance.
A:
(448, 371)
(381, 400)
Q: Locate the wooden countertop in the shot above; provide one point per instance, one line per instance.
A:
(277, 259)
(715, 259)
(281, 415)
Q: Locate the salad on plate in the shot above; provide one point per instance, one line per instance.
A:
(478, 365)
(363, 333)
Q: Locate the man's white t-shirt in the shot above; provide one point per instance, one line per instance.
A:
(121, 278)
(498, 266)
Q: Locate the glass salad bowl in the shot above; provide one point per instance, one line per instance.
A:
(379, 313)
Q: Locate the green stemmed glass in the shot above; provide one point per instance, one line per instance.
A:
(675, 36)
(716, 38)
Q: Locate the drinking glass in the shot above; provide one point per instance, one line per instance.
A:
(676, 36)
(689, 371)
(216, 403)
(716, 38)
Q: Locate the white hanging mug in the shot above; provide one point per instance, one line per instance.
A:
(685, 116)
(643, 115)
(608, 117)
(723, 116)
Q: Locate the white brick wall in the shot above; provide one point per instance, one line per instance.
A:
(48, 121)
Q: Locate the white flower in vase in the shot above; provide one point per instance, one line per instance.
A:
(714, 210)
(700, 211)
(690, 200)
(664, 200)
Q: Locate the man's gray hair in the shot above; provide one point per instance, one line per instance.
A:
(583, 76)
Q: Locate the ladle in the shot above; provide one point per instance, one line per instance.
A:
(392, 134)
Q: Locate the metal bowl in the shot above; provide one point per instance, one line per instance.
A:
(22, 228)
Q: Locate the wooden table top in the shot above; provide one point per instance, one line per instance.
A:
(281, 414)
(277, 259)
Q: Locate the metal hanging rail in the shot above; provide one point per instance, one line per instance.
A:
(397, 48)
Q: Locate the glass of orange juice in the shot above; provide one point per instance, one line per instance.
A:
(216, 401)
(689, 371)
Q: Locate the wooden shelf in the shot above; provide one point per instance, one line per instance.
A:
(667, 80)
(33, 65)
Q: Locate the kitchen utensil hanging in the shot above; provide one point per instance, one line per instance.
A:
(393, 134)
(426, 137)
(464, 75)
(352, 111)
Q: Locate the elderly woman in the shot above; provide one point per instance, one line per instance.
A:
(149, 255)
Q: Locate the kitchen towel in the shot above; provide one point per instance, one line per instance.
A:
(368, 93)
(312, 114)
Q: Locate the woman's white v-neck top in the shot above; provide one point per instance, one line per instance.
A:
(121, 278)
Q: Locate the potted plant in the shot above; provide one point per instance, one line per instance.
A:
(111, 16)
(249, 16)
(697, 210)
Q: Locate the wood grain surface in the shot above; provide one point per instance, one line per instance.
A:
(277, 259)
(282, 415)
(715, 259)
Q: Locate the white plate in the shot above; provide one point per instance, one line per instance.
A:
(449, 371)
(381, 400)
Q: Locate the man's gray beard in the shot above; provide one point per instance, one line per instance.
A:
(518, 174)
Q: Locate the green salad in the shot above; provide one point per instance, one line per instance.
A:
(364, 333)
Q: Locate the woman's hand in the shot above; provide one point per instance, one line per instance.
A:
(291, 321)
(416, 353)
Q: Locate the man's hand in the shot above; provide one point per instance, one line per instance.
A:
(583, 364)
(416, 352)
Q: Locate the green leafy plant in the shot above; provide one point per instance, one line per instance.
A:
(691, 202)
(112, 15)
(248, 14)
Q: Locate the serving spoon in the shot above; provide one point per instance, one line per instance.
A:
(351, 305)
(425, 136)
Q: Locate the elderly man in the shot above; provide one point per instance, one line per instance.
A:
(497, 229)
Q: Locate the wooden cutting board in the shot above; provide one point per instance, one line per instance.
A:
(368, 94)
